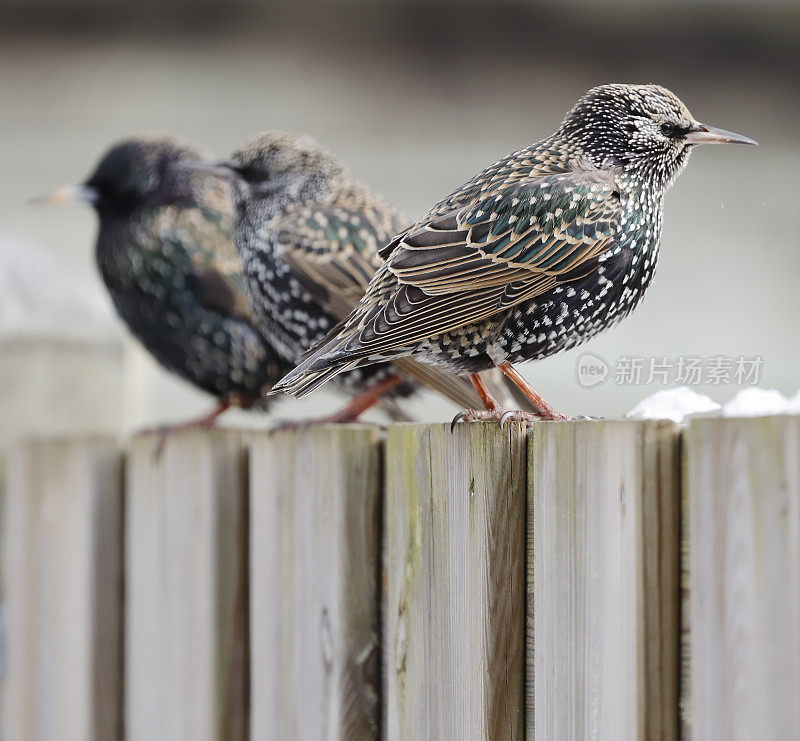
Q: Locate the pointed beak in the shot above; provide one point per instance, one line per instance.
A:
(710, 135)
(67, 194)
(215, 168)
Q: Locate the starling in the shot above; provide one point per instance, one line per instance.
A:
(536, 254)
(165, 253)
(308, 235)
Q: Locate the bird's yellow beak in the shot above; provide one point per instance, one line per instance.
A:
(67, 194)
(711, 135)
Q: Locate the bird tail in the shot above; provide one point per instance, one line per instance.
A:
(315, 368)
(302, 381)
(327, 361)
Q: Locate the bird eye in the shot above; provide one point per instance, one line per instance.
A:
(668, 129)
(252, 173)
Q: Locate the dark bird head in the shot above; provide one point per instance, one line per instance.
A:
(275, 169)
(642, 129)
(132, 174)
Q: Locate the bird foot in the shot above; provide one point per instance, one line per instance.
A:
(162, 432)
(499, 415)
(206, 422)
(282, 425)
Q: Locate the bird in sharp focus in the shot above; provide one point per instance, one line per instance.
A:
(536, 254)
(165, 253)
(308, 234)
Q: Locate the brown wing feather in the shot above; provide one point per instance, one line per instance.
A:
(332, 250)
(439, 279)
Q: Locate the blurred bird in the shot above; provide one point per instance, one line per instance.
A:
(536, 254)
(308, 234)
(165, 253)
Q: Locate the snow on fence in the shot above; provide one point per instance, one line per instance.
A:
(605, 580)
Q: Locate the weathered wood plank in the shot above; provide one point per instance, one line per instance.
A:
(742, 481)
(186, 589)
(453, 603)
(63, 580)
(603, 581)
(315, 504)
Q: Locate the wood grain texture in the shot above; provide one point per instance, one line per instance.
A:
(315, 504)
(603, 581)
(186, 589)
(454, 591)
(63, 580)
(742, 481)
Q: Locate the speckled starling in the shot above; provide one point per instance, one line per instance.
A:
(165, 253)
(308, 234)
(536, 254)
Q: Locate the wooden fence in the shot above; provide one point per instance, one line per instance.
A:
(603, 580)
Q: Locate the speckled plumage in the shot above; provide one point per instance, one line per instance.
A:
(165, 253)
(308, 234)
(536, 254)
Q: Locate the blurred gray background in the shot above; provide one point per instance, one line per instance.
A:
(416, 97)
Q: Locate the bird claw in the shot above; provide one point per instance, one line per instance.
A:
(506, 416)
(161, 443)
(462, 416)
(499, 415)
(161, 433)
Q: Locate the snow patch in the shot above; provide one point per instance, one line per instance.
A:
(756, 402)
(675, 404)
(793, 404)
(679, 403)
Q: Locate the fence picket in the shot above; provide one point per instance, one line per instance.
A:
(186, 591)
(315, 504)
(63, 589)
(603, 580)
(742, 483)
(454, 589)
